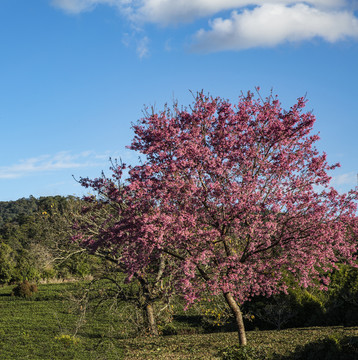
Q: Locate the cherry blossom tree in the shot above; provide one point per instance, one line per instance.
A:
(99, 229)
(238, 196)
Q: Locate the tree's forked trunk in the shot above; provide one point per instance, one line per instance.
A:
(152, 324)
(235, 308)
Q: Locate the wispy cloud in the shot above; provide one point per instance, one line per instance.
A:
(49, 163)
(142, 47)
(350, 179)
(78, 6)
(252, 23)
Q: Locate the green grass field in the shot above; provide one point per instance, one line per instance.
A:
(51, 326)
(47, 326)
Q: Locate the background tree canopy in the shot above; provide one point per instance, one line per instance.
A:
(35, 239)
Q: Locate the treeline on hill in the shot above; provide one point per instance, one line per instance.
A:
(36, 245)
(35, 240)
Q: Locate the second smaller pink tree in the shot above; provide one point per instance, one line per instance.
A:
(105, 227)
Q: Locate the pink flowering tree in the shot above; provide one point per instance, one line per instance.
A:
(105, 227)
(238, 196)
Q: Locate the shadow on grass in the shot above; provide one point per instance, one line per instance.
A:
(94, 336)
(186, 324)
(331, 348)
(335, 347)
(192, 320)
(5, 295)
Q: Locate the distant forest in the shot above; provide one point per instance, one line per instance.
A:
(35, 240)
(17, 211)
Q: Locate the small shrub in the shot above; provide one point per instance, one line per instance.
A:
(48, 273)
(67, 340)
(25, 289)
(246, 352)
(34, 288)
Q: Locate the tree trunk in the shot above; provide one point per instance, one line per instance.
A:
(238, 317)
(152, 325)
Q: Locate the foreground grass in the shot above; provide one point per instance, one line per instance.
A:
(48, 327)
(207, 346)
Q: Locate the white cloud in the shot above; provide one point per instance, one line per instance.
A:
(168, 11)
(252, 23)
(272, 24)
(60, 161)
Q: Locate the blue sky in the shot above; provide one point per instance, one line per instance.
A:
(74, 75)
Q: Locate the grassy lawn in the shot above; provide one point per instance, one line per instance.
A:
(47, 327)
(206, 346)
(44, 326)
